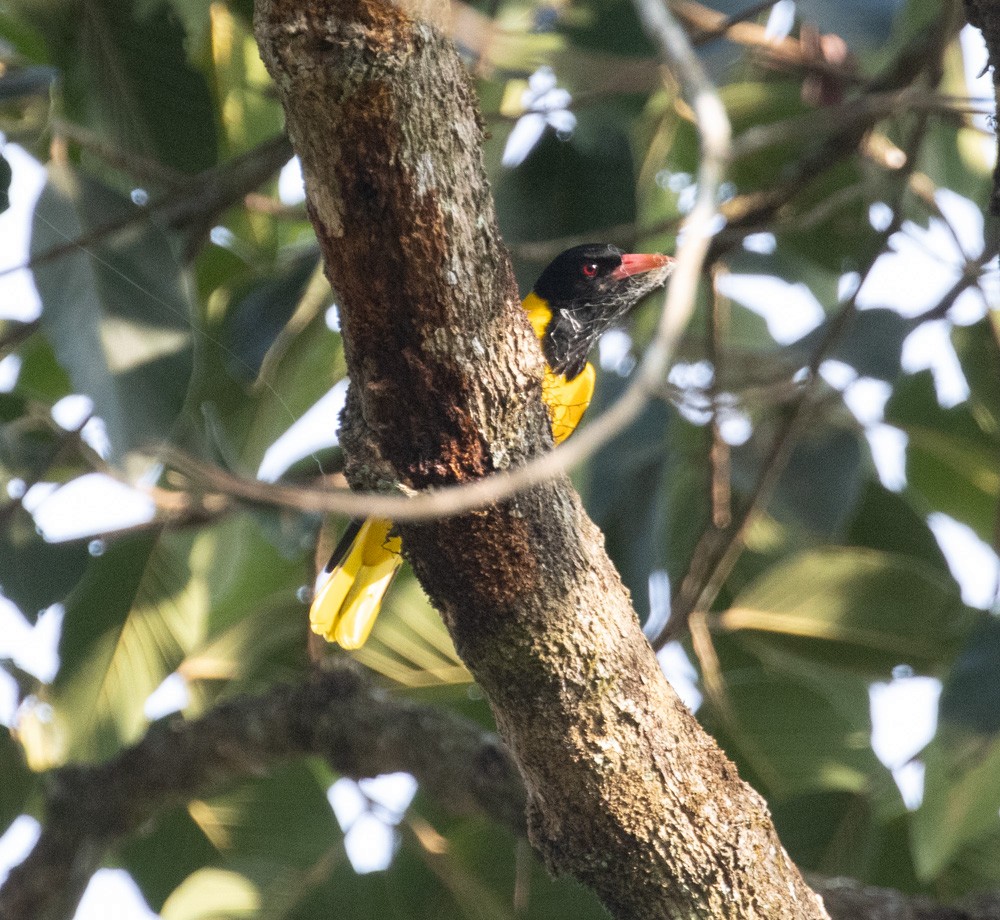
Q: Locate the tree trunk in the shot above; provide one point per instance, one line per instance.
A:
(625, 790)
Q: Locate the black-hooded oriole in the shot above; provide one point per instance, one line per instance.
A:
(581, 294)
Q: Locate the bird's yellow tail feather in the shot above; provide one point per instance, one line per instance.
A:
(347, 603)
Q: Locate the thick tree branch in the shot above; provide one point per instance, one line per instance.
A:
(625, 790)
(360, 731)
(338, 715)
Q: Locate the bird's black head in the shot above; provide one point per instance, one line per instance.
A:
(588, 289)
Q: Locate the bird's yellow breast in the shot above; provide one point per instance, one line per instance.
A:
(567, 399)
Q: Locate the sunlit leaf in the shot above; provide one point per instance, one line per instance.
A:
(410, 644)
(856, 609)
(213, 894)
(277, 842)
(126, 626)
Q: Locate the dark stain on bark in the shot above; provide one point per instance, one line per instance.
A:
(468, 563)
(397, 305)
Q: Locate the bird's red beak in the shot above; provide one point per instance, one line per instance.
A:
(638, 263)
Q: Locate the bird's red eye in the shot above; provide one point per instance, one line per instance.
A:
(589, 269)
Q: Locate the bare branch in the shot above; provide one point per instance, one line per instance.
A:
(338, 715)
(360, 731)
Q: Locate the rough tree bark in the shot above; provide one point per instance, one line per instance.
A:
(625, 790)
(985, 16)
(340, 715)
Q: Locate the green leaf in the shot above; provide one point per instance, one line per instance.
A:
(476, 875)
(35, 574)
(126, 76)
(962, 779)
(18, 780)
(821, 830)
(610, 26)
(28, 43)
(952, 153)
(834, 209)
(201, 598)
(259, 314)
(854, 609)
(41, 378)
(488, 862)
(886, 520)
(195, 16)
(753, 103)
(277, 842)
(978, 350)
(647, 490)
(167, 849)
(871, 343)
(126, 627)
(971, 695)
(283, 820)
(626, 491)
(305, 369)
(302, 363)
(567, 187)
(804, 733)
(115, 311)
(820, 484)
(950, 458)
(28, 446)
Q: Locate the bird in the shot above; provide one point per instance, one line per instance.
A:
(581, 294)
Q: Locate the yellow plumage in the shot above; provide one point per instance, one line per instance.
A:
(347, 603)
(579, 295)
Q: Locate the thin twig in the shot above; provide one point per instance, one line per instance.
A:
(720, 488)
(136, 165)
(195, 205)
(721, 29)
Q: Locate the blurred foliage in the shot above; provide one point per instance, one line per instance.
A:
(216, 342)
